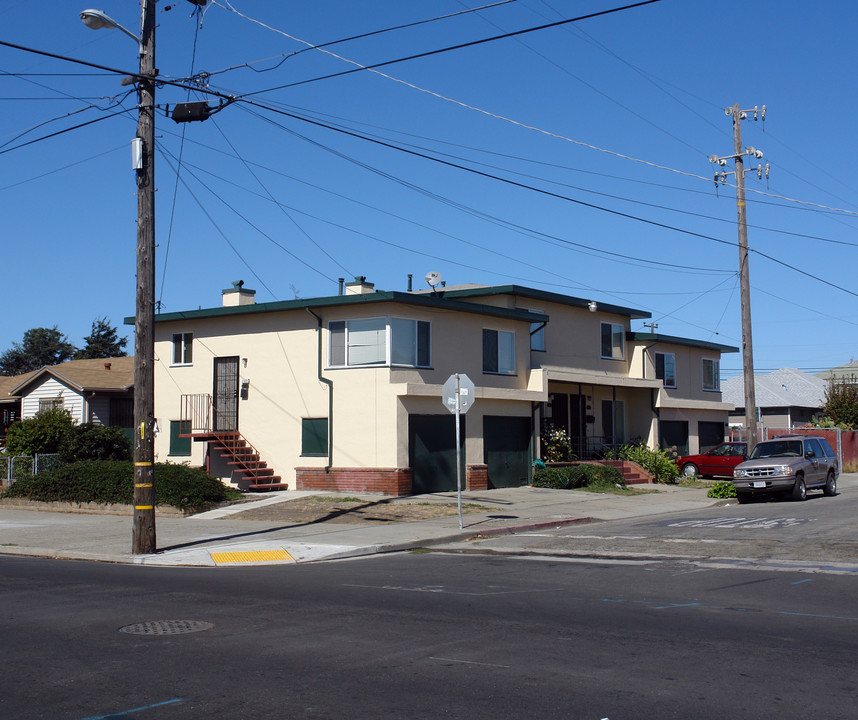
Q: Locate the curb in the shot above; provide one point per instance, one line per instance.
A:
(512, 529)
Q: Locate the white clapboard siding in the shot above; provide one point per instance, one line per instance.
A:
(51, 388)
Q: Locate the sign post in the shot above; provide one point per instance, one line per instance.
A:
(458, 396)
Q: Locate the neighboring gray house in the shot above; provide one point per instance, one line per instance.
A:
(847, 372)
(785, 397)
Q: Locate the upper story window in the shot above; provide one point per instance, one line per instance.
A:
(537, 332)
(379, 341)
(711, 374)
(665, 368)
(183, 348)
(612, 341)
(498, 352)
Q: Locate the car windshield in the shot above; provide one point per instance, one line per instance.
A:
(777, 448)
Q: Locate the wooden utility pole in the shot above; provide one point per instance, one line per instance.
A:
(744, 285)
(143, 534)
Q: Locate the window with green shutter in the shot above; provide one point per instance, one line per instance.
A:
(314, 436)
(180, 445)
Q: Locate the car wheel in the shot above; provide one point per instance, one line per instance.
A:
(799, 490)
(743, 498)
(690, 470)
(830, 488)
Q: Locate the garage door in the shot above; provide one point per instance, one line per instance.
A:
(432, 452)
(506, 442)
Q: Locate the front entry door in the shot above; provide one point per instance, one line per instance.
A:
(225, 403)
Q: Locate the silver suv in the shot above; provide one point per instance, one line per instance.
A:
(788, 464)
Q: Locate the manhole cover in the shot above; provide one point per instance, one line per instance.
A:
(167, 627)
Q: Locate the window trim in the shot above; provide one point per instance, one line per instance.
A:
(506, 370)
(664, 367)
(183, 342)
(716, 374)
(422, 353)
(621, 332)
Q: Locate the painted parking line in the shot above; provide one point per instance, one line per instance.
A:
(248, 556)
(125, 713)
(757, 523)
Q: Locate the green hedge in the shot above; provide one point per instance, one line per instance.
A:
(111, 481)
(577, 476)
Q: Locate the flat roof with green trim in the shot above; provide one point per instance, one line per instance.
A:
(656, 338)
(438, 302)
(545, 295)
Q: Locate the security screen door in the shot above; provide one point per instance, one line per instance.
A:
(225, 402)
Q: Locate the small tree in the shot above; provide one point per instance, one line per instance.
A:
(102, 342)
(42, 433)
(841, 402)
(40, 347)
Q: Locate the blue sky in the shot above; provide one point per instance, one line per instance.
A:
(586, 144)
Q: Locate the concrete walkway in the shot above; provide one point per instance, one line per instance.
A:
(222, 538)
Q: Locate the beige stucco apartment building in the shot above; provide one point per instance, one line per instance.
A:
(345, 392)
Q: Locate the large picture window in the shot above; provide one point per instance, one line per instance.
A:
(379, 341)
(498, 352)
(612, 341)
(665, 368)
(711, 374)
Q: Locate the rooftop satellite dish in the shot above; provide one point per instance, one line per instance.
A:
(433, 278)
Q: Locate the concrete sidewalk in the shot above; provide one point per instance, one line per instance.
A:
(222, 538)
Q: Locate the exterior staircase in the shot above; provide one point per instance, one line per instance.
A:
(197, 412)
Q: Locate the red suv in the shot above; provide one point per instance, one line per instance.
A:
(720, 460)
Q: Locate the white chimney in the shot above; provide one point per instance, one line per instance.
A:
(360, 286)
(238, 295)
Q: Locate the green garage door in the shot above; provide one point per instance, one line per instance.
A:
(432, 452)
(507, 450)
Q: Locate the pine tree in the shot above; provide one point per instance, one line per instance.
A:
(40, 347)
(102, 342)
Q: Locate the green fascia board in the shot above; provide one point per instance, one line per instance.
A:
(403, 298)
(656, 338)
(547, 296)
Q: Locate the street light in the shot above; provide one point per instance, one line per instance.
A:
(97, 20)
(143, 532)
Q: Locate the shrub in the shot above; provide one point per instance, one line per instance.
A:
(661, 463)
(577, 476)
(555, 444)
(94, 442)
(42, 433)
(112, 481)
(722, 489)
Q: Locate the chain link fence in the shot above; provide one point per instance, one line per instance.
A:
(15, 467)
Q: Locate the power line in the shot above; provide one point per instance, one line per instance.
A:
(429, 53)
(330, 43)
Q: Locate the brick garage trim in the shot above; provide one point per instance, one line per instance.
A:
(477, 477)
(387, 481)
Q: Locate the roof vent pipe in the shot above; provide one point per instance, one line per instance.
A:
(340, 281)
(410, 276)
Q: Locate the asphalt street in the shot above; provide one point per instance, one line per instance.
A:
(425, 635)
(815, 535)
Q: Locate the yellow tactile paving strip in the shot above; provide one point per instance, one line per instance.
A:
(251, 556)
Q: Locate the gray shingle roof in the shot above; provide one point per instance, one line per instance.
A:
(786, 387)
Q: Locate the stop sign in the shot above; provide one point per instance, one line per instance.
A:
(466, 393)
